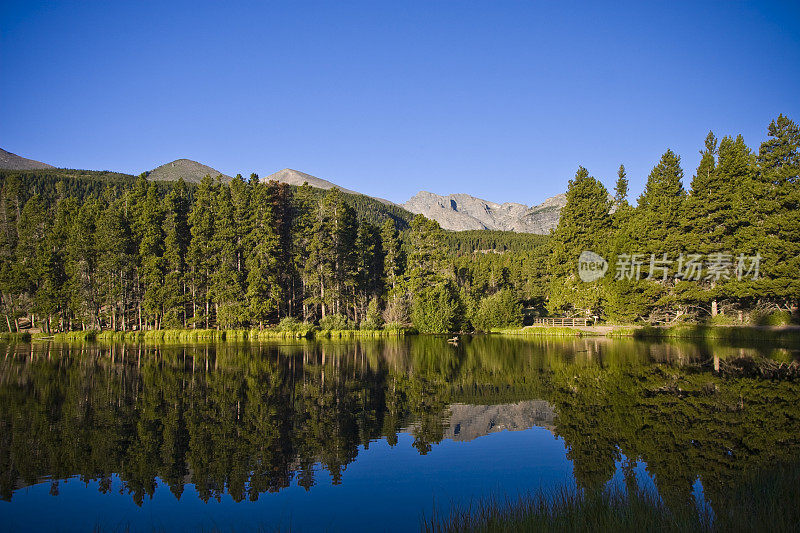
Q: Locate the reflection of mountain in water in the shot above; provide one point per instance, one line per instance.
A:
(468, 422)
(244, 420)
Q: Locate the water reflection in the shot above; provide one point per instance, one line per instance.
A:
(252, 419)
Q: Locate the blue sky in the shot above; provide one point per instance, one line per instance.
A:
(501, 100)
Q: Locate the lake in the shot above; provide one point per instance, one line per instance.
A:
(372, 435)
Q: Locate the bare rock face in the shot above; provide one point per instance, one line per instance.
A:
(15, 162)
(190, 171)
(295, 177)
(460, 212)
(467, 422)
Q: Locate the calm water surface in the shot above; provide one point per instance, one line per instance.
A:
(370, 435)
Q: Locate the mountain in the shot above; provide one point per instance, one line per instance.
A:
(460, 212)
(14, 162)
(190, 171)
(295, 177)
(467, 422)
(457, 212)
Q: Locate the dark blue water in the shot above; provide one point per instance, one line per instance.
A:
(387, 488)
(89, 433)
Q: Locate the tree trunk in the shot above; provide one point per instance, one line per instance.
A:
(714, 310)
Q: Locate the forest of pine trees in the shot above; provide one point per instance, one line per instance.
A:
(131, 254)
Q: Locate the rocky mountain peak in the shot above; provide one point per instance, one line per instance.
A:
(461, 212)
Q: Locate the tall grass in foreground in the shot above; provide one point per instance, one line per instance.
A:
(765, 501)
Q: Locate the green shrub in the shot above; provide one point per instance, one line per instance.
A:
(76, 336)
(500, 310)
(372, 319)
(289, 324)
(722, 320)
(775, 318)
(334, 322)
(434, 309)
(15, 337)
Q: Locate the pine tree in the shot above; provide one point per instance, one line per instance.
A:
(282, 207)
(584, 225)
(200, 253)
(621, 188)
(369, 268)
(653, 238)
(263, 288)
(51, 296)
(777, 239)
(32, 228)
(659, 209)
(176, 243)
(226, 280)
(115, 262)
(150, 229)
(430, 286)
(82, 262)
(12, 284)
(716, 214)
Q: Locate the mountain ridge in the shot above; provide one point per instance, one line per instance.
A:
(298, 178)
(11, 161)
(191, 171)
(455, 212)
(462, 212)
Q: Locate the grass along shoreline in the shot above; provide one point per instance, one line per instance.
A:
(785, 336)
(763, 501)
(206, 335)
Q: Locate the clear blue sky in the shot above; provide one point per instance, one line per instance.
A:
(501, 100)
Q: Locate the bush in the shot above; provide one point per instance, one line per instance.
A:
(373, 319)
(775, 318)
(289, 324)
(434, 309)
(500, 310)
(334, 322)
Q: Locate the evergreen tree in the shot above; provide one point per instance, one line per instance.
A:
(369, 268)
(263, 288)
(176, 244)
(282, 208)
(777, 237)
(621, 188)
(115, 262)
(82, 263)
(226, 280)
(393, 264)
(150, 232)
(584, 225)
(715, 214)
(430, 285)
(200, 253)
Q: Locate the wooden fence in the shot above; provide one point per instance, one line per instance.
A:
(564, 322)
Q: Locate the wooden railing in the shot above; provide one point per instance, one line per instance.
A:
(564, 322)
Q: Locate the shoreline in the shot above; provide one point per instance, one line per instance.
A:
(777, 334)
(786, 336)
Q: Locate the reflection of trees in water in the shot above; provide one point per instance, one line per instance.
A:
(251, 419)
